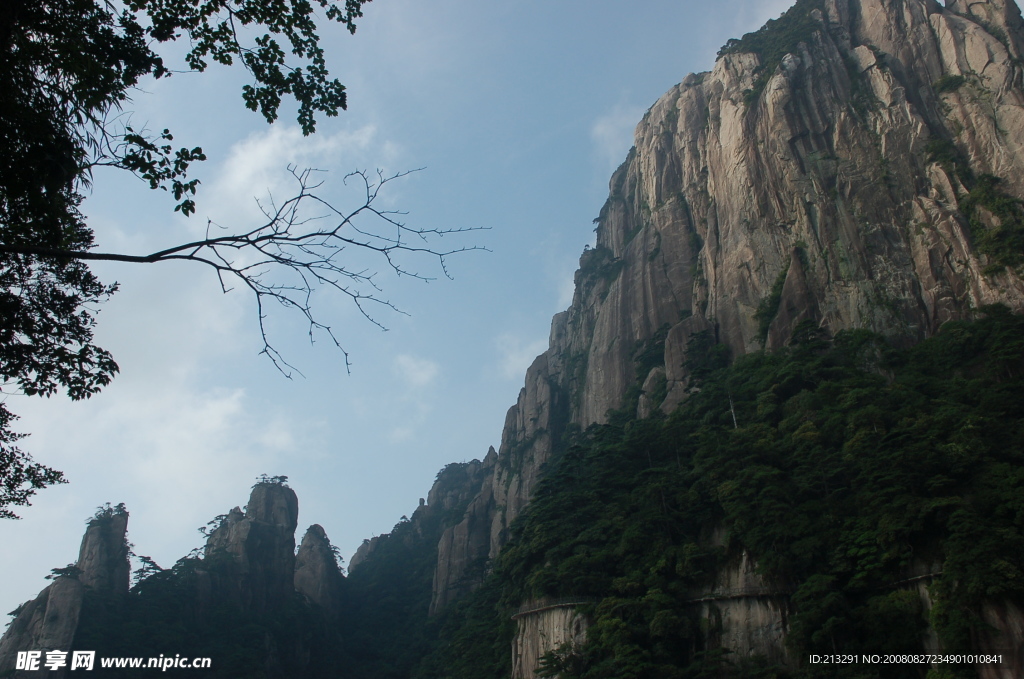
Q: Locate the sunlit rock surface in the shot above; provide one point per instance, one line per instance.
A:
(821, 188)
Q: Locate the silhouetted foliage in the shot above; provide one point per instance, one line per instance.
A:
(835, 463)
(20, 477)
(67, 68)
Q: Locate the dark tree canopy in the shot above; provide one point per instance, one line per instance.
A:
(67, 70)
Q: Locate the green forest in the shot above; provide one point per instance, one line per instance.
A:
(877, 487)
(835, 463)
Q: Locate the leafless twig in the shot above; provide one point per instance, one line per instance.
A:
(294, 254)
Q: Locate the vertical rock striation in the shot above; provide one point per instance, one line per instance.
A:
(103, 556)
(317, 576)
(834, 186)
(49, 621)
(255, 550)
(561, 629)
(465, 547)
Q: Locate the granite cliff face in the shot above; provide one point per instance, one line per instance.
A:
(249, 573)
(465, 547)
(543, 629)
(316, 570)
(50, 621)
(853, 177)
(841, 183)
(819, 180)
(257, 549)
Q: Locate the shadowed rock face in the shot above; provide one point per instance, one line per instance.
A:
(49, 621)
(825, 179)
(465, 546)
(257, 549)
(273, 504)
(316, 570)
(249, 572)
(103, 557)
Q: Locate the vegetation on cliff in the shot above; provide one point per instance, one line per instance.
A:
(218, 606)
(995, 217)
(232, 604)
(842, 466)
(384, 617)
(854, 473)
(848, 462)
(773, 41)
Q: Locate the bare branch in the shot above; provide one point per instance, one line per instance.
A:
(295, 254)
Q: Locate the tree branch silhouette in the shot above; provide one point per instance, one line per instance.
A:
(311, 250)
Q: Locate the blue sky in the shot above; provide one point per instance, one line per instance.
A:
(518, 113)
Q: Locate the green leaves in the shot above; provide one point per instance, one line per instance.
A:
(67, 70)
(768, 307)
(851, 462)
(773, 41)
(157, 166)
(20, 477)
(213, 28)
(1000, 235)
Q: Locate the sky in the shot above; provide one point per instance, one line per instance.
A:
(514, 116)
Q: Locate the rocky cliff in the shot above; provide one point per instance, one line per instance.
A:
(851, 169)
(248, 580)
(50, 621)
(316, 570)
(854, 164)
(256, 549)
(248, 599)
(543, 628)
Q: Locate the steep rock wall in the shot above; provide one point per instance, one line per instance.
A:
(457, 511)
(750, 204)
(548, 629)
(49, 621)
(1003, 636)
(744, 614)
(256, 549)
(463, 548)
(317, 576)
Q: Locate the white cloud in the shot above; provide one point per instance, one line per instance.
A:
(566, 290)
(612, 134)
(516, 354)
(411, 411)
(175, 454)
(256, 167)
(417, 373)
(182, 444)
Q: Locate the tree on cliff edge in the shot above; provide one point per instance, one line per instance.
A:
(67, 69)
